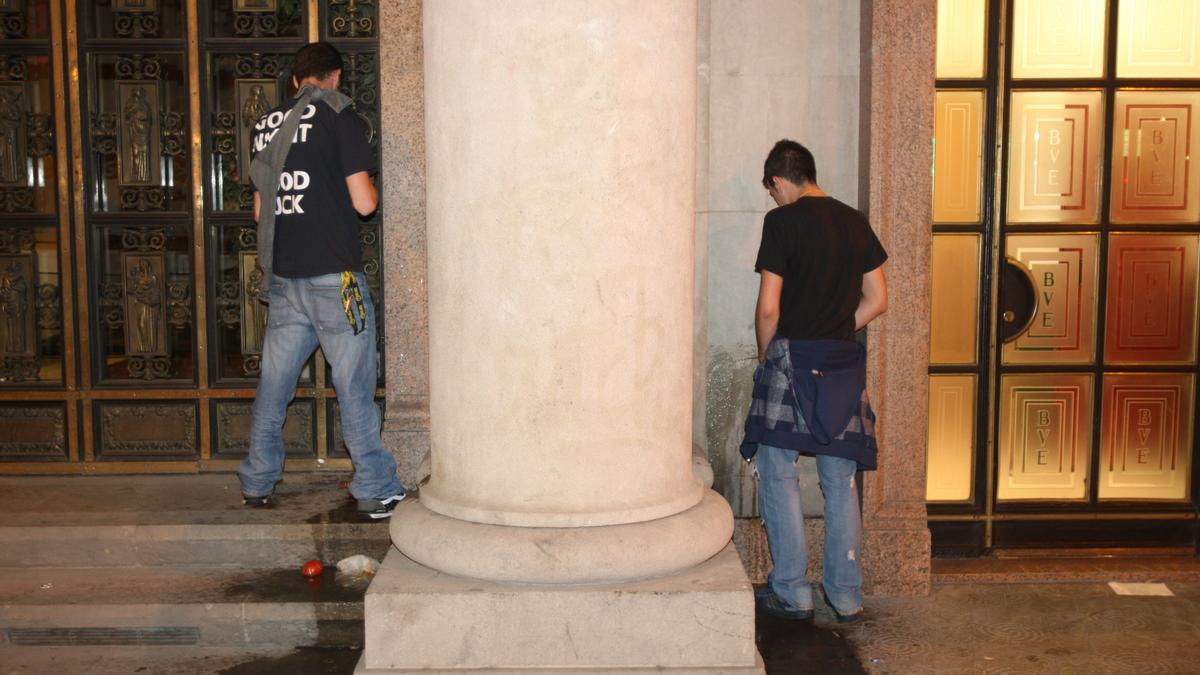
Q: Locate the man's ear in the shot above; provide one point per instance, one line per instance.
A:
(295, 82)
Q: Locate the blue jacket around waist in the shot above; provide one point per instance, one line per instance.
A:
(811, 396)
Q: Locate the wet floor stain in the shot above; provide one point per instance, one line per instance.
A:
(314, 661)
(789, 647)
(291, 586)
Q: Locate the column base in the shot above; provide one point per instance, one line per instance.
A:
(698, 621)
(563, 555)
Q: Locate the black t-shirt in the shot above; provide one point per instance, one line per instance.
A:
(822, 248)
(316, 226)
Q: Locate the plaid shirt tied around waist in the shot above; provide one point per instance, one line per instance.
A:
(811, 396)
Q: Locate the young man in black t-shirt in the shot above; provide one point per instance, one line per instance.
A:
(821, 281)
(318, 293)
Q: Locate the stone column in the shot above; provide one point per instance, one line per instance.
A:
(900, 67)
(563, 525)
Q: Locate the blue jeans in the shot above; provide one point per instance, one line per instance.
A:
(779, 505)
(304, 313)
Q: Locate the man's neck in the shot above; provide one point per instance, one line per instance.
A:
(793, 193)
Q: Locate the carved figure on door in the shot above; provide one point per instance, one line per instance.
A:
(10, 135)
(143, 288)
(14, 301)
(139, 122)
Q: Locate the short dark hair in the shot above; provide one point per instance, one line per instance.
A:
(316, 59)
(791, 161)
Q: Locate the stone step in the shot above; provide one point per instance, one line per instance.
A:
(188, 521)
(244, 546)
(247, 609)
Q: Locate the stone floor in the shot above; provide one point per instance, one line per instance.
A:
(1052, 614)
(983, 628)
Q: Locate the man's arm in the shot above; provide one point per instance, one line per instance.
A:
(766, 312)
(874, 298)
(257, 204)
(362, 193)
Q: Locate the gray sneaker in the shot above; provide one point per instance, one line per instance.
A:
(375, 509)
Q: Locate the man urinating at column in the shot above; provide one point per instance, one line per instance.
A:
(313, 162)
(821, 280)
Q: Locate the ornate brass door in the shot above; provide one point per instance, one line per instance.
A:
(1065, 260)
(130, 335)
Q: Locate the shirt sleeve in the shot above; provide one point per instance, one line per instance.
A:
(771, 251)
(355, 152)
(875, 255)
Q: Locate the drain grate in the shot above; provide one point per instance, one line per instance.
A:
(100, 636)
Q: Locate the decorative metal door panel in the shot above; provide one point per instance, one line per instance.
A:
(130, 324)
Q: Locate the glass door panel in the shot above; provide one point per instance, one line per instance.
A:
(1151, 316)
(1158, 38)
(1058, 38)
(1045, 437)
(1063, 268)
(1155, 139)
(958, 157)
(951, 455)
(1146, 436)
(955, 313)
(1054, 150)
(960, 38)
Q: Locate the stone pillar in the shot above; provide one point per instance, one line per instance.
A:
(900, 66)
(563, 525)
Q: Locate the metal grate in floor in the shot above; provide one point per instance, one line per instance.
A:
(104, 636)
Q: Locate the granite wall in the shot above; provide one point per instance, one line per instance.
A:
(406, 326)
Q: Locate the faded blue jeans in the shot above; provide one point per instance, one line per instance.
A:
(779, 505)
(304, 313)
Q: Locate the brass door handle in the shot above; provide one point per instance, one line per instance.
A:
(1018, 300)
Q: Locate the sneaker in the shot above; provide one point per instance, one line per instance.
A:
(374, 509)
(264, 501)
(770, 604)
(842, 618)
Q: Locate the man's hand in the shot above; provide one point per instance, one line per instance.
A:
(362, 193)
(766, 312)
(874, 298)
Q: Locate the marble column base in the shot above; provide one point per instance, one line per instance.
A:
(563, 555)
(698, 621)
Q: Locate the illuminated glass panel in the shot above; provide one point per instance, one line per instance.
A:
(955, 299)
(960, 40)
(1151, 314)
(1058, 38)
(958, 157)
(1158, 38)
(1146, 436)
(1155, 138)
(1054, 157)
(1045, 434)
(1063, 267)
(951, 453)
